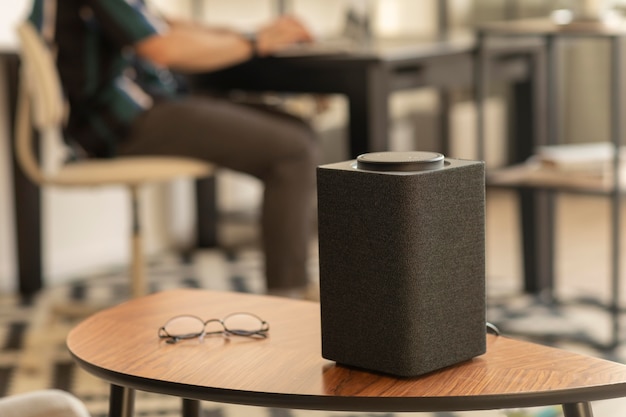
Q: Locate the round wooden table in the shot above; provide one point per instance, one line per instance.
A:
(121, 346)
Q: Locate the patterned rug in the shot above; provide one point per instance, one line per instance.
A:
(33, 354)
(576, 322)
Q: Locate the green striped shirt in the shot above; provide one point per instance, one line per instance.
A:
(106, 84)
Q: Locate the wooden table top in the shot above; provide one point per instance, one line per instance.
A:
(120, 345)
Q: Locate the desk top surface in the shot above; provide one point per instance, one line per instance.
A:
(121, 345)
(546, 26)
(394, 49)
(383, 48)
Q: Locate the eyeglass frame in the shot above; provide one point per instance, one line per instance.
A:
(172, 339)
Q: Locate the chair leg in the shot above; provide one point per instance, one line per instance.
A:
(138, 275)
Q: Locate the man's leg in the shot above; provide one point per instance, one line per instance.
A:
(278, 149)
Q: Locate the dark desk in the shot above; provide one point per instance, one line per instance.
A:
(366, 76)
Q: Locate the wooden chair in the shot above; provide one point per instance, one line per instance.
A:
(42, 105)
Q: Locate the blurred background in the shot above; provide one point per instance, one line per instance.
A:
(583, 97)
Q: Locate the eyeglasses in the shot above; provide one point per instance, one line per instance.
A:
(237, 324)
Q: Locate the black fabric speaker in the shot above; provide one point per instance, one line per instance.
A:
(402, 261)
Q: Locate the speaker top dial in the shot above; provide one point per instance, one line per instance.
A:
(400, 161)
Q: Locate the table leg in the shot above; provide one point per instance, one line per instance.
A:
(368, 111)
(191, 408)
(523, 137)
(206, 212)
(616, 137)
(121, 401)
(545, 231)
(443, 19)
(445, 106)
(27, 200)
(528, 130)
(538, 224)
(480, 92)
(577, 410)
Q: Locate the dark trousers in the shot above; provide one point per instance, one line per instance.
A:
(274, 147)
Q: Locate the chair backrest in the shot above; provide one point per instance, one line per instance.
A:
(41, 100)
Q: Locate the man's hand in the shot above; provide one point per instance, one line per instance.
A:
(194, 48)
(281, 33)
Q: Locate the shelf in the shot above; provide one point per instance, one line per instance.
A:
(536, 175)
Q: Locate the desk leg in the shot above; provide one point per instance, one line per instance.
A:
(529, 129)
(191, 408)
(368, 111)
(445, 108)
(27, 201)
(206, 212)
(617, 44)
(577, 410)
(524, 135)
(121, 401)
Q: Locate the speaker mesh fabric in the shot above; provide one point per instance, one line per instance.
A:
(402, 266)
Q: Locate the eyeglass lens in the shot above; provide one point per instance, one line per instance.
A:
(184, 326)
(243, 323)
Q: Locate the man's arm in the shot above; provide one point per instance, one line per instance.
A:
(192, 48)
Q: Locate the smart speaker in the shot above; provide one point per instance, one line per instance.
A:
(402, 261)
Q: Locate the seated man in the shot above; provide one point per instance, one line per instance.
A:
(116, 60)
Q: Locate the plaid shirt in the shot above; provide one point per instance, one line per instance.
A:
(106, 84)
